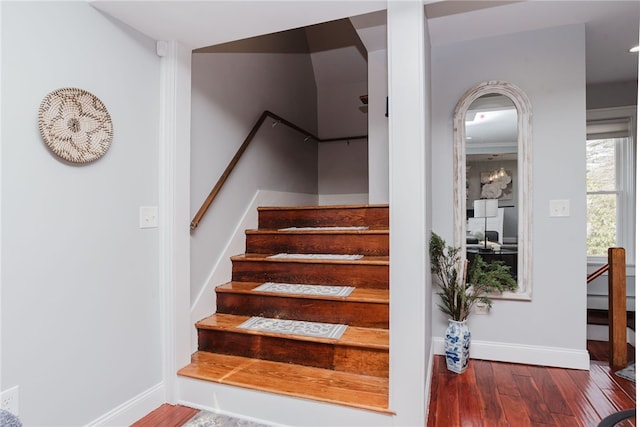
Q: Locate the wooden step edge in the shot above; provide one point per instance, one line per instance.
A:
(311, 207)
(307, 232)
(382, 260)
(167, 415)
(341, 342)
(236, 371)
(383, 297)
(354, 336)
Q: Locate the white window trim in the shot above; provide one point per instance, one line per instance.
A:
(626, 178)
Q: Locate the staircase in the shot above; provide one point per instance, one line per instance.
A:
(601, 317)
(351, 370)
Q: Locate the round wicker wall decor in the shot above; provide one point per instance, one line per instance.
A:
(75, 125)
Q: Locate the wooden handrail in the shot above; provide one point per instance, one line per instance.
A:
(599, 272)
(617, 308)
(236, 158)
(617, 321)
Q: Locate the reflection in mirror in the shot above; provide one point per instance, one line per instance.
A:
(491, 129)
(492, 143)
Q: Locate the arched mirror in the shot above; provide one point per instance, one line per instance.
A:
(492, 194)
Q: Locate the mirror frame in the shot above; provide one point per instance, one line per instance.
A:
(523, 107)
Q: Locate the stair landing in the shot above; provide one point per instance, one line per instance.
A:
(343, 388)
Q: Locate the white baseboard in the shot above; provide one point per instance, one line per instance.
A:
(526, 354)
(427, 391)
(273, 409)
(131, 411)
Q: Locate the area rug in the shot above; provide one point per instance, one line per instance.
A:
(323, 228)
(628, 373)
(209, 419)
(317, 256)
(295, 327)
(300, 289)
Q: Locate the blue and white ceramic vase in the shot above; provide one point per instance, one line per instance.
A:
(457, 339)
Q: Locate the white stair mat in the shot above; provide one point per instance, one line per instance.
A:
(303, 289)
(322, 228)
(295, 327)
(316, 256)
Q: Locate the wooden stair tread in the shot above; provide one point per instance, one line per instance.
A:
(353, 336)
(365, 260)
(342, 388)
(311, 207)
(167, 415)
(306, 231)
(364, 307)
(374, 296)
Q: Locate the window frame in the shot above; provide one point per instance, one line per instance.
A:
(625, 158)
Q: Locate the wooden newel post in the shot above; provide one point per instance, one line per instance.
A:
(617, 308)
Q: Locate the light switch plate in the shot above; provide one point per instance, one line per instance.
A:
(148, 216)
(558, 208)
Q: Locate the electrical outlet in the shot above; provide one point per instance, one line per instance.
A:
(148, 216)
(9, 400)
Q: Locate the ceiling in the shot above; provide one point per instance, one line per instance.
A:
(491, 129)
(202, 23)
(318, 27)
(611, 26)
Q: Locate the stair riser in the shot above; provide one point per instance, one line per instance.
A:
(361, 244)
(601, 317)
(359, 275)
(308, 353)
(368, 315)
(372, 217)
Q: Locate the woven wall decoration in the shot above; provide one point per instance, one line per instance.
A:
(75, 125)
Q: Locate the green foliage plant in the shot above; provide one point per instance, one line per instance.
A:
(461, 287)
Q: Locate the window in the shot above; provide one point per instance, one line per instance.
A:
(610, 182)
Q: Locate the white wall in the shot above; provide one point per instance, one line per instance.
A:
(80, 294)
(342, 166)
(409, 217)
(229, 92)
(340, 111)
(342, 172)
(378, 128)
(547, 324)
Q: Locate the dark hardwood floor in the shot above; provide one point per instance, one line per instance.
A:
(506, 394)
(599, 351)
(167, 416)
(503, 394)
